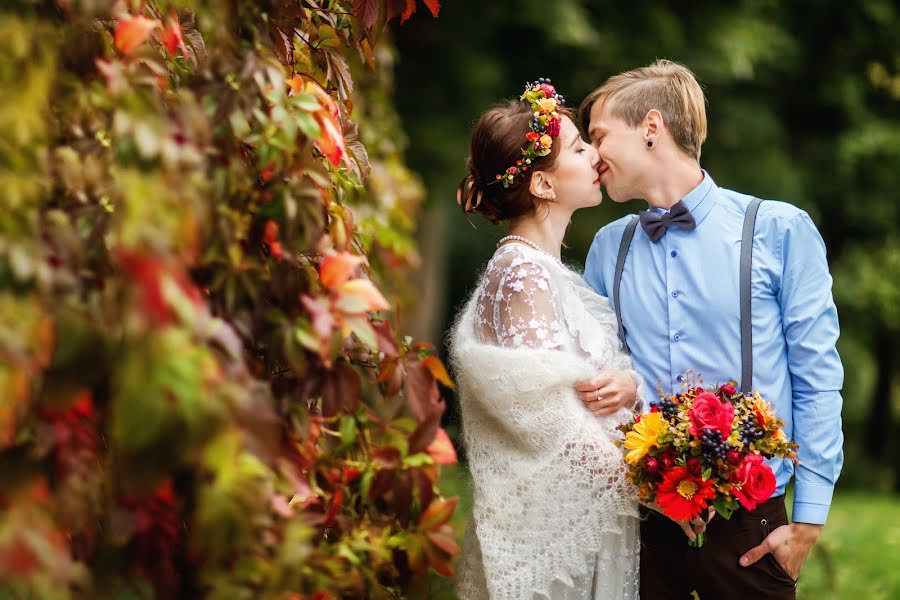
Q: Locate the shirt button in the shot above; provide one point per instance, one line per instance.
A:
(674, 294)
(677, 337)
(673, 253)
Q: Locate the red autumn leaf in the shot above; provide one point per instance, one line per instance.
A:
(267, 172)
(336, 503)
(392, 376)
(366, 12)
(359, 296)
(441, 449)
(386, 341)
(387, 457)
(444, 540)
(340, 390)
(132, 31)
(439, 561)
(408, 11)
(434, 6)
(335, 269)
(270, 239)
(438, 513)
(424, 434)
(437, 370)
(171, 37)
(422, 394)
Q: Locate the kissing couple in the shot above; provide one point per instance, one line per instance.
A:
(551, 361)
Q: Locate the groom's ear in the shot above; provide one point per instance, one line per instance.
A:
(653, 125)
(541, 185)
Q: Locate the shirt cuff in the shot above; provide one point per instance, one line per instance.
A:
(811, 503)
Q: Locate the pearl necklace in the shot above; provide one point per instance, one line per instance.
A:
(529, 243)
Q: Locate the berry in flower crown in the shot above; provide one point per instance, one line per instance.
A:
(545, 125)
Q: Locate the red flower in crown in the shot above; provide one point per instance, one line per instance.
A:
(532, 135)
(553, 127)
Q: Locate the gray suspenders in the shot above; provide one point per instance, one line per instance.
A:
(745, 295)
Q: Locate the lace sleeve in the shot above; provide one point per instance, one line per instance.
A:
(517, 306)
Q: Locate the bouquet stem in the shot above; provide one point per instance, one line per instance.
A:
(697, 541)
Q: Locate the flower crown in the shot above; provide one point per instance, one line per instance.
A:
(544, 127)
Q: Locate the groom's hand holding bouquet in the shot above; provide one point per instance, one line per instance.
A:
(702, 452)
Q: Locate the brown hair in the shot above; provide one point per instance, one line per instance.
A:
(668, 87)
(496, 144)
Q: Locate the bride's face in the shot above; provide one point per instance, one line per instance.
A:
(574, 176)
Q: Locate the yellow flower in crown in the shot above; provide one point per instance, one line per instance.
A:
(543, 127)
(644, 436)
(546, 105)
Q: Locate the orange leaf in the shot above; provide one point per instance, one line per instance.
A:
(131, 32)
(438, 513)
(358, 296)
(331, 141)
(441, 449)
(437, 370)
(296, 84)
(439, 561)
(171, 37)
(335, 269)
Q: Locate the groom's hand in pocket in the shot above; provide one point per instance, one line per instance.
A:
(607, 392)
(789, 544)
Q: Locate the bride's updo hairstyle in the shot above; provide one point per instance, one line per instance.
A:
(509, 142)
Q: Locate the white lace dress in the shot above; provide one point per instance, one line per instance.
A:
(553, 514)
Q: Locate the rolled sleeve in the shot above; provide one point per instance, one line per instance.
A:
(811, 331)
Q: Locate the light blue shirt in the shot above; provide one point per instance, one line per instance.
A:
(681, 311)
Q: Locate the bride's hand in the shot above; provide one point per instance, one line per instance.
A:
(607, 392)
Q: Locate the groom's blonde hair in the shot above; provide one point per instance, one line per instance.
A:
(667, 86)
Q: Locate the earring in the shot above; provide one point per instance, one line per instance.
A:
(649, 144)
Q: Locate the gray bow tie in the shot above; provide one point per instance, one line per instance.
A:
(655, 225)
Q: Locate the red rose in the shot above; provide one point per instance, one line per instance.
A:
(728, 390)
(666, 461)
(651, 467)
(693, 466)
(754, 482)
(553, 127)
(734, 457)
(708, 412)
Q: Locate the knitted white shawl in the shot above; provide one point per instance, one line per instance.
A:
(549, 484)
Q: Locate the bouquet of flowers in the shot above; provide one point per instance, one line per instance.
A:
(704, 448)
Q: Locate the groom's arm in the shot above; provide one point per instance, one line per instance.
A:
(811, 330)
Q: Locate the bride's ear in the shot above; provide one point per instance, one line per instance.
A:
(542, 185)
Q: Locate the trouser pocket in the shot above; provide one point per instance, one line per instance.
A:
(779, 571)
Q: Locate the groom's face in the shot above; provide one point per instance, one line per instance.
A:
(623, 154)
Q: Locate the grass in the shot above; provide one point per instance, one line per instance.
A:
(857, 556)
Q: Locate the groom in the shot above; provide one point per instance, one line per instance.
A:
(680, 307)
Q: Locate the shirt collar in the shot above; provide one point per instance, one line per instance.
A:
(698, 200)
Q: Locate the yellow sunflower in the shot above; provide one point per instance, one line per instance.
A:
(644, 436)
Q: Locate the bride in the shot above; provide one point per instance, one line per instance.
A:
(554, 515)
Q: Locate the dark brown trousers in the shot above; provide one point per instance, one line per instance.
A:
(672, 569)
